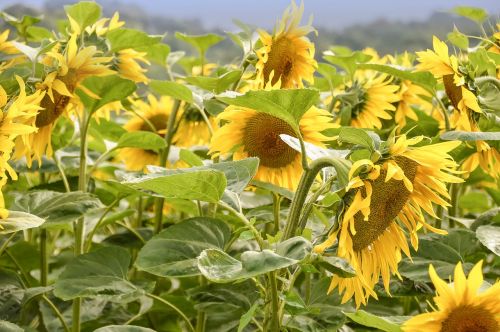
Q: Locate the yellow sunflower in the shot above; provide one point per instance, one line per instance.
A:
(129, 67)
(104, 25)
(149, 116)
(445, 67)
(380, 203)
(7, 48)
(192, 129)
(461, 307)
(376, 98)
(249, 133)
(485, 156)
(287, 56)
(71, 68)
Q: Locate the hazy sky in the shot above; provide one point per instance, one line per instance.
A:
(327, 13)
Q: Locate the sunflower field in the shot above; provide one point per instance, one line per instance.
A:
(146, 190)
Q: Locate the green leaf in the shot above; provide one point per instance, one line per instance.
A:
(108, 88)
(123, 328)
(18, 221)
(382, 323)
(6, 326)
(85, 13)
(190, 158)
(174, 252)
(201, 42)
(489, 237)
(288, 105)
(349, 62)
(218, 266)
(296, 248)
(474, 201)
(424, 79)
(475, 14)
(215, 84)
(204, 185)
(336, 265)
(273, 188)
(247, 317)
(141, 139)
(356, 136)
(22, 25)
(38, 33)
(55, 207)
(129, 38)
(172, 89)
(458, 39)
(98, 274)
(470, 136)
(157, 53)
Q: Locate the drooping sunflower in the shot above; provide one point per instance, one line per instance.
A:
(249, 133)
(461, 307)
(485, 156)
(287, 56)
(390, 196)
(151, 115)
(129, 65)
(71, 67)
(7, 48)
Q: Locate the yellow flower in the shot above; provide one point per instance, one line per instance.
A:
(71, 68)
(380, 204)
(377, 96)
(129, 67)
(461, 307)
(100, 27)
(150, 116)
(6, 47)
(192, 129)
(485, 156)
(287, 56)
(249, 133)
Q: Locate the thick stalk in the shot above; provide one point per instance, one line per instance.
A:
(275, 306)
(200, 316)
(276, 212)
(453, 209)
(44, 258)
(300, 196)
(159, 201)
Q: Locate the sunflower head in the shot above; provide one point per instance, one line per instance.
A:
(248, 133)
(193, 129)
(286, 58)
(129, 65)
(382, 199)
(461, 307)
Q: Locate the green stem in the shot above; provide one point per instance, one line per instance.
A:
(24, 275)
(453, 210)
(159, 299)
(300, 196)
(57, 312)
(44, 258)
(242, 218)
(310, 204)
(159, 201)
(104, 214)
(200, 316)
(6, 243)
(276, 212)
(275, 306)
(63, 175)
(132, 230)
(445, 114)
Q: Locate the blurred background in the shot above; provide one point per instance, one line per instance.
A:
(388, 26)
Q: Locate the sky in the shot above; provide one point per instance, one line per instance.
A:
(334, 14)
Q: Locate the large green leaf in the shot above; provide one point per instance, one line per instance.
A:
(489, 237)
(55, 207)
(388, 324)
(174, 252)
(201, 42)
(172, 89)
(123, 328)
(108, 88)
(18, 221)
(84, 13)
(475, 14)
(218, 266)
(204, 185)
(215, 84)
(470, 136)
(129, 38)
(141, 139)
(288, 105)
(98, 274)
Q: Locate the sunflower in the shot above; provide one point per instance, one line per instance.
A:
(461, 307)
(375, 96)
(286, 57)
(129, 67)
(485, 156)
(380, 203)
(7, 48)
(446, 68)
(150, 116)
(104, 25)
(72, 67)
(249, 133)
(192, 129)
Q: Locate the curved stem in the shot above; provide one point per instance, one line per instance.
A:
(159, 201)
(308, 207)
(305, 184)
(241, 217)
(6, 243)
(104, 214)
(159, 299)
(57, 312)
(445, 114)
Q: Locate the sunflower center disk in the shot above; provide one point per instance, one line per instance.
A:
(158, 121)
(280, 59)
(470, 319)
(387, 200)
(261, 139)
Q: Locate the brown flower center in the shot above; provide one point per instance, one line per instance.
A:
(387, 200)
(454, 92)
(158, 121)
(470, 319)
(261, 139)
(280, 59)
(52, 110)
